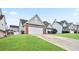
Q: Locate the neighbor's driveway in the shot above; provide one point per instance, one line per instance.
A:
(66, 43)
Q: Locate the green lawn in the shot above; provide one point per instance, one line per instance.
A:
(73, 36)
(26, 43)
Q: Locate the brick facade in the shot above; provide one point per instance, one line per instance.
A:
(26, 29)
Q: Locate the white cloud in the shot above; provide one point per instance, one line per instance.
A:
(75, 14)
(76, 10)
(4, 12)
(13, 13)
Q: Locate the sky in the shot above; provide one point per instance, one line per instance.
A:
(13, 15)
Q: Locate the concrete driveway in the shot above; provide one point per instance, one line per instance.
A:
(66, 43)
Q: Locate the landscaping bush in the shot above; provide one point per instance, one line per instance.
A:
(54, 31)
(49, 32)
(22, 32)
(75, 31)
(65, 32)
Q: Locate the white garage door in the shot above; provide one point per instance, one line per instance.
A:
(34, 30)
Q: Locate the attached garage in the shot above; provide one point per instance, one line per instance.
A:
(34, 26)
(35, 30)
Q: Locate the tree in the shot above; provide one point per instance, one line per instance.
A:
(54, 31)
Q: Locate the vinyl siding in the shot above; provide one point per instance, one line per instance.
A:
(58, 27)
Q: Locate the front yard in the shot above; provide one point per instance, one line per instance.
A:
(26, 43)
(73, 36)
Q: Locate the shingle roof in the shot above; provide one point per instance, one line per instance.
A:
(23, 21)
(62, 23)
(36, 16)
(59, 23)
(46, 23)
(69, 24)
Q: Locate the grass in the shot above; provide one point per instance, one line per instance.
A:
(73, 36)
(26, 43)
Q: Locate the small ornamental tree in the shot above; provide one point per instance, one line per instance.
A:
(65, 32)
(54, 31)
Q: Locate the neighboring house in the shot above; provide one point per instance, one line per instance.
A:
(56, 25)
(48, 26)
(49, 29)
(76, 26)
(3, 25)
(34, 26)
(14, 29)
(63, 26)
(21, 30)
(72, 28)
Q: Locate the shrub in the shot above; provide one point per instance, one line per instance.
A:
(75, 31)
(65, 32)
(54, 31)
(49, 32)
(22, 32)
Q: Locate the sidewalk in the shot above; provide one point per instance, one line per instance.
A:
(66, 43)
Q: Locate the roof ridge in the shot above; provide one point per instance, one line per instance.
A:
(34, 17)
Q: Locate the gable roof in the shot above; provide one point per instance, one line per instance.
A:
(56, 22)
(34, 20)
(66, 28)
(46, 23)
(23, 21)
(62, 22)
(70, 24)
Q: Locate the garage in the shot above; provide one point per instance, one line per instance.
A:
(34, 26)
(35, 30)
